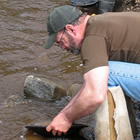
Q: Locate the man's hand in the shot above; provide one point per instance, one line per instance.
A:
(59, 125)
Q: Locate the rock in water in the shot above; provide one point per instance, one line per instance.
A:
(87, 133)
(73, 89)
(43, 88)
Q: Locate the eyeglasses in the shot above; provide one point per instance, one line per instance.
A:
(59, 45)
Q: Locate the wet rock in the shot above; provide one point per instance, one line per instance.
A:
(43, 88)
(136, 105)
(87, 133)
(74, 88)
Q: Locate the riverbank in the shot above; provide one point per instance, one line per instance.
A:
(131, 5)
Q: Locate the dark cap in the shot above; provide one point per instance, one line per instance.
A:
(58, 19)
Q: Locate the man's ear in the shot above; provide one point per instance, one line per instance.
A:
(70, 29)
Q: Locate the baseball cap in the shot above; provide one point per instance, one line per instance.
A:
(83, 2)
(58, 19)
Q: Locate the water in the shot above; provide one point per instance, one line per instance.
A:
(22, 36)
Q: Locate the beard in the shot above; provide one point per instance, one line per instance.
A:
(73, 47)
(73, 50)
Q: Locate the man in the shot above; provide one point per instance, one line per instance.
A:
(103, 5)
(99, 38)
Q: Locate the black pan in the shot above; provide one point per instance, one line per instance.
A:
(41, 130)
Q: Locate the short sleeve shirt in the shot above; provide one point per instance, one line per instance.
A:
(111, 36)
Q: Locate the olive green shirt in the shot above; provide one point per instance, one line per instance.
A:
(111, 36)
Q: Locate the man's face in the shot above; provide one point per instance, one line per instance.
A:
(67, 42)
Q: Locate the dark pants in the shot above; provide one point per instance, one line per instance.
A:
(106, 6)
(103, 5)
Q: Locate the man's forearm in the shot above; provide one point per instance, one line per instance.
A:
(82, 105)
(91, 95)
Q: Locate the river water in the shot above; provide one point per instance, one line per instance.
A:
(22, 36)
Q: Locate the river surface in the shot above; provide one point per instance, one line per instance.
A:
(22, 36)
